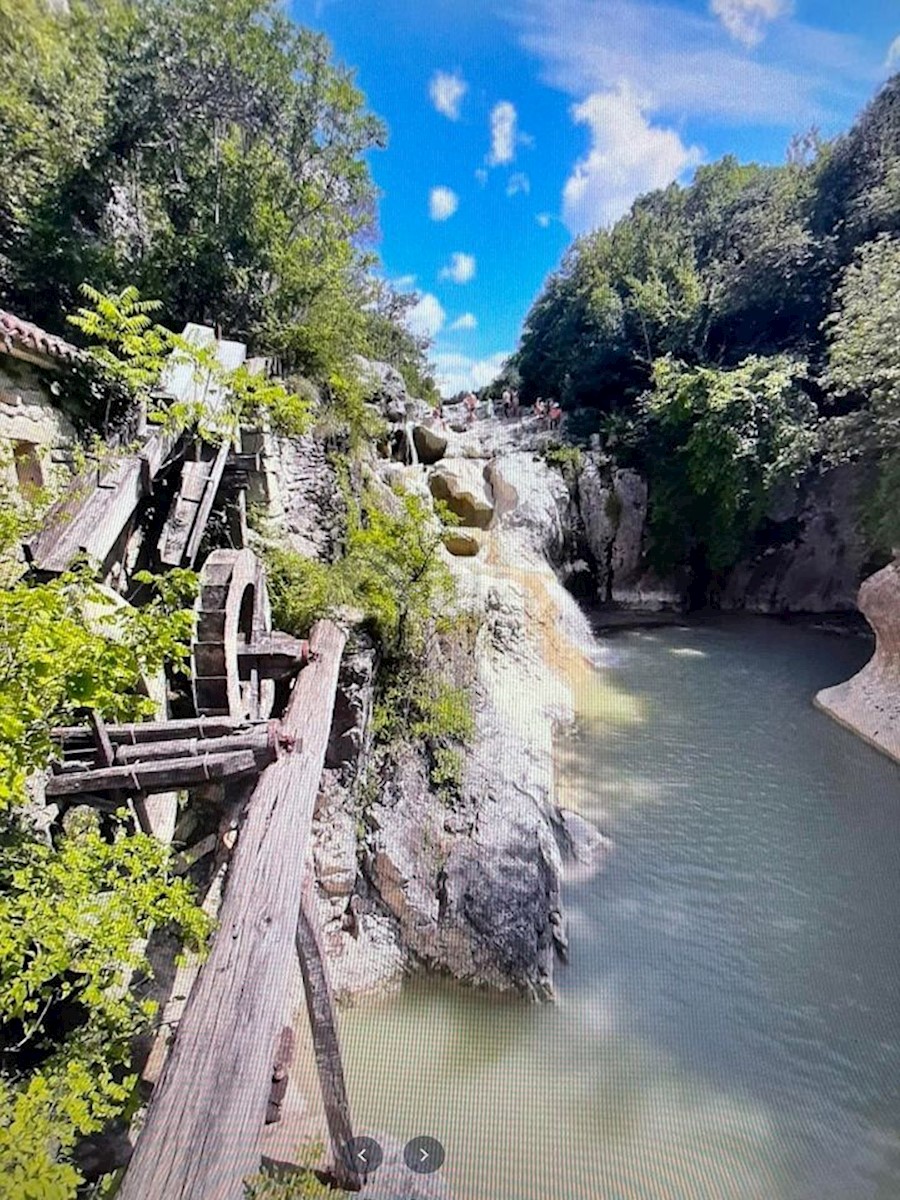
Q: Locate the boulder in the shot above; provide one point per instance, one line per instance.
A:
(460, 483)
(430, 443)
(462, 543)
(533, 499)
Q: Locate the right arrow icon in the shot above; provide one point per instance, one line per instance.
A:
(423, 1155)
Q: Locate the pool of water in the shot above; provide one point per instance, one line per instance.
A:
(729, 1023)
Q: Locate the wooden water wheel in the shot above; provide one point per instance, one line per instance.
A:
(236, 656)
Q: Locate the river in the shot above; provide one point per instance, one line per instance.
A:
(728, 1027)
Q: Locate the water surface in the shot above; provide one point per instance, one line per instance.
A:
(729, 1023)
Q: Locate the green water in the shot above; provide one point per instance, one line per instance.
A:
(728, 1027)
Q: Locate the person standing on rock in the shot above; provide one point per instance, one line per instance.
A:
(470, 401)
(489, 408)
(507, 404)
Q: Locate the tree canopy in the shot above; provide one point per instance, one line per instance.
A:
(209, 153)
(679, 320)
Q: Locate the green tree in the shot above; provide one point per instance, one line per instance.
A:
(715, 445)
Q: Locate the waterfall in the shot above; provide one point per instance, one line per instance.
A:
(412, 454)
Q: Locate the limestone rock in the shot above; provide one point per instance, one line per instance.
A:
(630, 491)
(814, 550)
(461, 484)
(533, 499)
(869, 703)
(462, 543)
(430, 443)
(335, 852)
(353, 707)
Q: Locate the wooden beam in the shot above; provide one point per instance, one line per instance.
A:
(203, 1130)
(164, 776)
(80, 736)
(320, 1006)
(180, 539)
(92, 519)
(265, 741)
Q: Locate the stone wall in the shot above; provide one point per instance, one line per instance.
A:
(34, 434)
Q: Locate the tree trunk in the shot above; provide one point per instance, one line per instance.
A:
(202, 1135)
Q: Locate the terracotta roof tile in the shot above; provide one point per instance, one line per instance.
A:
(16, 334)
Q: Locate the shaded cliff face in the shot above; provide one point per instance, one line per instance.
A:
(810, 553)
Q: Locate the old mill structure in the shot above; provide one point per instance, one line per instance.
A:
(149, 505)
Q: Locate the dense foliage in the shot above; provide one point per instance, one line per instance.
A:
(208, 152)
(77, 898)
(675, 323)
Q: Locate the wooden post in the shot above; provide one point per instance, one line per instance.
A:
(320, 1006)
(204, 1126)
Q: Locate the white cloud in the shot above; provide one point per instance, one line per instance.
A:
(442, 203)
(893, 55)
(459, 373)
(518, 183)
(545, 220)
(481, 175)
(504, 122)
(403, 283)
(461, 268)
(446, 91)
(678, 62)
(426, 317)
(628, 156)
(466, 321)
(747, 20)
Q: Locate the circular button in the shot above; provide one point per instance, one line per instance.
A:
(363, 1155)
(423, 1155)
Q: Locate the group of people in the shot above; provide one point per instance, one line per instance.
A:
(548, 413)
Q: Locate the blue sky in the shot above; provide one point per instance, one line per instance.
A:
(517, 124)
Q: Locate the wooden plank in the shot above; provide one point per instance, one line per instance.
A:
(180, 539)
(155, 731)
(206, 504)
(162, 776)
(320, 1006)
(92, 519)
(264, 741)
(105, 753)
(203, 1130)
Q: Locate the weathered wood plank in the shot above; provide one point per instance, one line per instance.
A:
(264, 741)
(320, 1006)
(91, 520)
(204, 1127)
(163, 776)
(155, 731)
(180, 539)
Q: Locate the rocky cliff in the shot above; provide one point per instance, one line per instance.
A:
(471, 888)
(810, 553)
